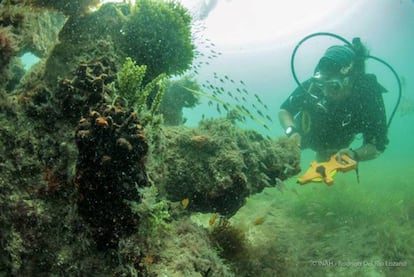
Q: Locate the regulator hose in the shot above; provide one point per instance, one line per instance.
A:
(292, 67)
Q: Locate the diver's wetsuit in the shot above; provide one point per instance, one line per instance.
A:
(332, 126)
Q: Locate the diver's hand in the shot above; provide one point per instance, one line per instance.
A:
(345, 151)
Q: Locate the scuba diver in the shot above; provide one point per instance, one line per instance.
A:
(328, 112)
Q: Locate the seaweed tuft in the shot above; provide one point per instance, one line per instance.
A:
(230, 241)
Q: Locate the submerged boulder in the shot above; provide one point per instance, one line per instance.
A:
(217, 165)
(110, 167)
(153, 33)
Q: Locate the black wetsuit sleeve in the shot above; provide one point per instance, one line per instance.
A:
(296, 100)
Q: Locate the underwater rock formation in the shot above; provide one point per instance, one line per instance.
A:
(166, 27)
(86, 90)
(22, 31)
(78, 209)
(177, 97)
(26, 183)
(33, 30)
(110, 168)
(69, 8)
(122, 31)
(7, 48)
(71, 213)
(190, 253)
(71, 97)
(217, 165)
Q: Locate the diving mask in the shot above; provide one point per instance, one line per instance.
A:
(328, 83)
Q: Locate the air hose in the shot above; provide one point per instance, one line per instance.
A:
(292, 67)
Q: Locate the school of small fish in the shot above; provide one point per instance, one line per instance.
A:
(224, 93)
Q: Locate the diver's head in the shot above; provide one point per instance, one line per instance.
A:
(333, 72)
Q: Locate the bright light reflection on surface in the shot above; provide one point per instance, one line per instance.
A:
(242, 22)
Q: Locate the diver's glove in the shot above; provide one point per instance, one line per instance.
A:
(346, 151)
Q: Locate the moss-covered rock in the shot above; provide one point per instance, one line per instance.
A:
(177, 97)
(158, 34)
(217, 165)
(153, 33)
(7, 51)
(33, 30)
(110, 167)
(69, 8)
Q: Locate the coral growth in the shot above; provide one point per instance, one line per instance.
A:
(34, 30)
(7, 50)
(7, 47)
(230, 241)
(26, 219)
(184, 249)
(23, 30)
(177, 97)
(110, 167)
(83, 213)
(217, 165)
(166, 26)
(70, 8)
(72, 97)
(86, 90)
(12, 16)
(145, 36)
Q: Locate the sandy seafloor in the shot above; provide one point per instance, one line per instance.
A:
(340, 222)
(349, 228)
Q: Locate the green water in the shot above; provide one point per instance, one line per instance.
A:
(350, 228)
